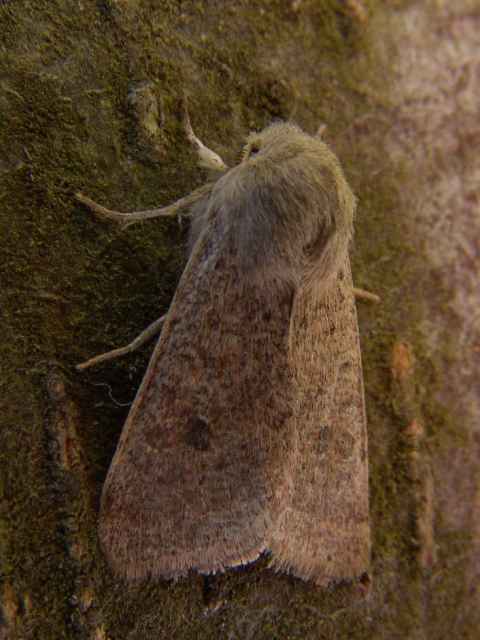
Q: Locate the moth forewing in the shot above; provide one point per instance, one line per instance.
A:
(322, 530)
(191, 481)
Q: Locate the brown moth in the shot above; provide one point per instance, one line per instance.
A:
(248, 432)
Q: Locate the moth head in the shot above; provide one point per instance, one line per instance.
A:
(287, 208)
(252, 147)
(279, 141)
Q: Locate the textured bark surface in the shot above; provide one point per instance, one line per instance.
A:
(90, 100)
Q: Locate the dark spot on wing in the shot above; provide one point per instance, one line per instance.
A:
(344, 445)
(323, 440)
(197, 433)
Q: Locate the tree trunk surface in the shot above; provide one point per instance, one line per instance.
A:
(91, 100)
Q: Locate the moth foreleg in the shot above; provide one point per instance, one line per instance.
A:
(146, 335)
(207, 158)
(365, 295)
(126, 219)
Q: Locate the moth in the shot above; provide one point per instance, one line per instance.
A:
(248, 432)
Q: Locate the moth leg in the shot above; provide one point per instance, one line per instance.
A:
(126, 219)
(322, 127)
(361, 294)
(207, 158)
(148, 333)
